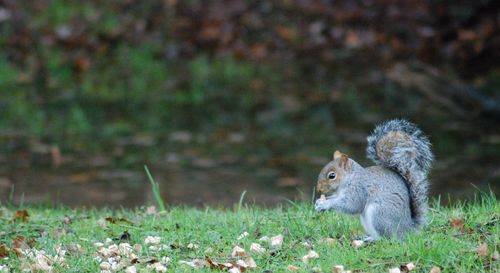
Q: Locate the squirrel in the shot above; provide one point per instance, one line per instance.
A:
(391, 197)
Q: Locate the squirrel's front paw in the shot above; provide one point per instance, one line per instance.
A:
(320, 204)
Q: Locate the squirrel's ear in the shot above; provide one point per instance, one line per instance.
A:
(337, 154)
(344, 162)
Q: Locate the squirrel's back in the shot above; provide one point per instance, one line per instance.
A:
(399, 145)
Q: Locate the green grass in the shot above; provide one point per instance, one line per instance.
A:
(451, 249)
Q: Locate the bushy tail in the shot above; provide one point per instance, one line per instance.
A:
(399, 145)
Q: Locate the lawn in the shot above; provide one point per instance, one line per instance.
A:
(460, 238)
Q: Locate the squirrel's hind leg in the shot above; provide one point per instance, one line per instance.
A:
(367, 220)
(386, 222)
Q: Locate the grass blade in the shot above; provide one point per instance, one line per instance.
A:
(155, 187)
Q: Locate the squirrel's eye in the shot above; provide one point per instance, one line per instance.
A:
(331, 175)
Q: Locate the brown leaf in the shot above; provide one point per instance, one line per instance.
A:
(113, 220)
(4, 251)
(227, 265)
(457, 223)
(21, 243)
(482, 250)
(21, 215)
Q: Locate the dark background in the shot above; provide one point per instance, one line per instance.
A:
(218, 97)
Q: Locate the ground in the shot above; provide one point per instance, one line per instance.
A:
(460, 238)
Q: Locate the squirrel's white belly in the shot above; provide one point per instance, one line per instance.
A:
(367, 221)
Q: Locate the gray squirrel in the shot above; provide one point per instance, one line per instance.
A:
(391, 197)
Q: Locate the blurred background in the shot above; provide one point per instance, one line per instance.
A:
(219, 97)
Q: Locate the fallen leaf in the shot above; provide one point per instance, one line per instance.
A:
(209, 250)
(131, 269)
(196, 263)
(113, 220)
(217, 265)
(338, 269)
(152, 240)
(22, 242)
(329, 241)
(264, 239)
(192, 246)
(307, 244)
(408, 267)
(238, 252)
(495, 256)
(293, 268)
(316, 269)
(159, 267)
(310, 255)
(4, 251)
(250, 262)
(21, 215)
(435, 269)
(457, 223)
(276, 241)
(357, 243)
(482, 250)
(254, 247)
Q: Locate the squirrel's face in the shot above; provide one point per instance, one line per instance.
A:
(333, 173)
